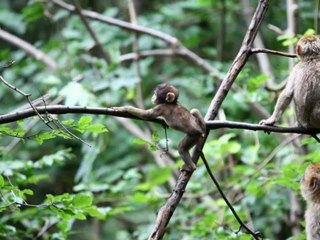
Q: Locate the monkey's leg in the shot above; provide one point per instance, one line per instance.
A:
(184, 147)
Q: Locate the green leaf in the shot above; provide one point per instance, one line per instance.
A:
(255, 82)
(17, 132)
(68, 122)
(33, 12)
(94, 212)
(20, 122)
(82, 200)
(309, 31)
(159, 175)
(75, 94)
(1, 181)
(140, 141)
(12, 21)
(45, 136)
(152, 148)
(85, 121)
(144, 186)
(80, 216)
(155, 136)
(97, 128)
(141, 198)
(27, 191)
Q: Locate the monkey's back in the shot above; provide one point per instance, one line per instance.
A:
(179, 118)
(307, 93)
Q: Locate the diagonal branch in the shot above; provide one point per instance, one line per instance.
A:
(168, 209)
(10, 38)
(89, 29)
(119, 23)
(172, 41)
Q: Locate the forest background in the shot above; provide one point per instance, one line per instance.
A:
(87, 175)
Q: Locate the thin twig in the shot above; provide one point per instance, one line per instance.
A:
(68, 132)
(264, 50)
(255, 235)
(275, 151)
(89, 29)
(27, 96)
(33, 122)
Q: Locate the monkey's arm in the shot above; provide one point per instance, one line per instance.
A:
(141, 113)
(282, 103)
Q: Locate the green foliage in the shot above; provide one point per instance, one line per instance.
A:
(12, 20)
(75, 182)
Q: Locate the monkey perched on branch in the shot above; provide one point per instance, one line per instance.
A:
(165, 99)
(310, 190)
(303, 86)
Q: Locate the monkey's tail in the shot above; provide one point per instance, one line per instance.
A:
(197, 115)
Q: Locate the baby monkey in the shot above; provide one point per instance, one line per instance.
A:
(303, 86)
(167, 107)
(310, 190)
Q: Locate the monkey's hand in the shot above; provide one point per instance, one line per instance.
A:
(270, 121)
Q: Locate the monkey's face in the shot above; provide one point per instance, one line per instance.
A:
(154, 99)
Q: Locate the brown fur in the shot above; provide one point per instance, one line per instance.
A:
(303, 86)
(310, 190)
(176, 116)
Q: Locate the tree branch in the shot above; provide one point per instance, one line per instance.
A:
(119, 23)
(210, 125)
(89, 29)
(264, 50)
(39, 55)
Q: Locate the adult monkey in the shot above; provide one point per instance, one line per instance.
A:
(310, 190)
(167, 107)
(303, 86)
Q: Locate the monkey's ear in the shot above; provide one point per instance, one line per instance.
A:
(313, 183)
(298, 50)
(170, 97)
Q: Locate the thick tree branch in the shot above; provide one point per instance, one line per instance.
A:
(211, 125)
(60, 109)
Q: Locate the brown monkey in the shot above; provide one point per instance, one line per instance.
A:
(310, 190)
(165, 99)
(303, 86)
